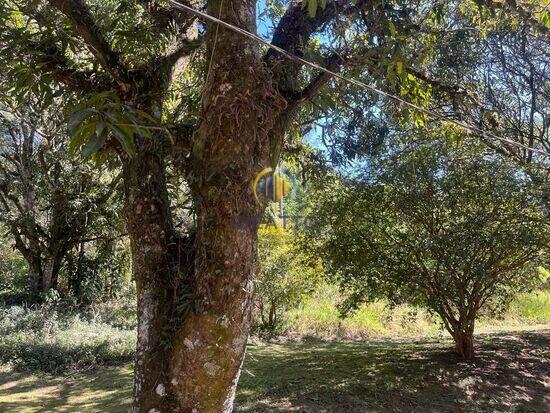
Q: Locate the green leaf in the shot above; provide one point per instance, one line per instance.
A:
(82, 134)
(144, 115)
(392, 29)
(77, 119)
(99, 128)
(311, 8)
(93, 145)
(125, 138)
(399, 67)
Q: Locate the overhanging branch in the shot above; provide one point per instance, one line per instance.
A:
(82, 20)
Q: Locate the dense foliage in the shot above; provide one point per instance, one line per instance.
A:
(452, 229)
(161, 92)
(284, 279)
(53, 205)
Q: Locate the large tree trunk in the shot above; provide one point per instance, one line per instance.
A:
(43, 275)
(463, 335)
(461, 329)
(34, 279)
(149, 228)
(193, 322)
(232, 145)
(50, 273)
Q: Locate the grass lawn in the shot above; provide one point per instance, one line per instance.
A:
(510, 374)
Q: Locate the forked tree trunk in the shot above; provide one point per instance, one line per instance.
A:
(43, 275)
(192, 322)
(50, 273)
(463, 335)
(34, 279)
(194, 315)
(464, 344)
(461, 329)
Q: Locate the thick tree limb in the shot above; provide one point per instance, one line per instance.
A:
(181, 147)
(333, 63)
(79, 14)
(292, 34)
(296, 26)
(184, 49)
(164, 16)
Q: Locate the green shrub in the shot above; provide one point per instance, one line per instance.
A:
(120, 312)
(319, 317)
(47, 340)
(13, 273)
(284, 280)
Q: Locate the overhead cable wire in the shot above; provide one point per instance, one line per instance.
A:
(439, 116)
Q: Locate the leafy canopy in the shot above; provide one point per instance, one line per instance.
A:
(453, 229)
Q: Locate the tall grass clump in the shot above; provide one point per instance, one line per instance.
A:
(319, 316)
(531, 307)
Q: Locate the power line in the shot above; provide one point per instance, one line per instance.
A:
(355, 82)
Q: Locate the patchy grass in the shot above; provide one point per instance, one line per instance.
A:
(105, 390)
(510, 374)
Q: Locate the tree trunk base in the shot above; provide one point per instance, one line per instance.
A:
(464, 346)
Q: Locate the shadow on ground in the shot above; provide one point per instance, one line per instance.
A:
(104, 390)
(510, 374)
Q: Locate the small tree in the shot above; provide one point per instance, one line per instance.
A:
(283, 279)
(453, 231)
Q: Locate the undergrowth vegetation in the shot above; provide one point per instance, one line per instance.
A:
(319, 317)
(57, 337)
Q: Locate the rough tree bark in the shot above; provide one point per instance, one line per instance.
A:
(461, 329)
(464, 344)
(190, 361)
(194, 292)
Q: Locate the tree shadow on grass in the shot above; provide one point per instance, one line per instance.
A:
(84, 392)
(510, 374)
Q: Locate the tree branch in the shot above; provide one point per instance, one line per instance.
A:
(53, 61)
(296, 26)
(185, 48)
(79, 14)
(333, 63)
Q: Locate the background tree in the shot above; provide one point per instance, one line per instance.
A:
(154, 95)
(49, 201)
(450, 229)
(284, 279)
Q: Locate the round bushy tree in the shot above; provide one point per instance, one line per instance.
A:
(452, 230)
